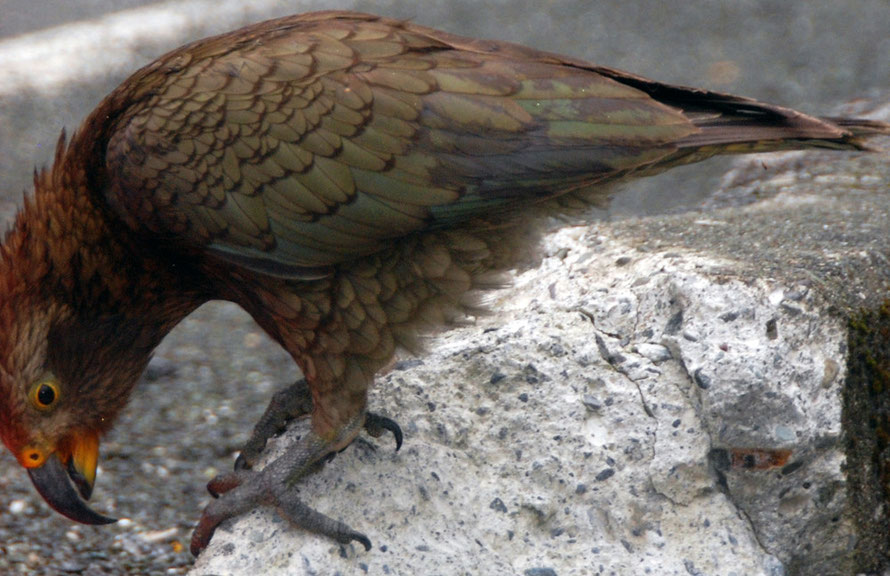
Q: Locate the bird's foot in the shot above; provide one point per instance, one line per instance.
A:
(243, 490)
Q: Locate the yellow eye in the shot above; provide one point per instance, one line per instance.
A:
(44, 394)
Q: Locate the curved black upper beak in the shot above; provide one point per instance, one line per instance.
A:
(57, 486)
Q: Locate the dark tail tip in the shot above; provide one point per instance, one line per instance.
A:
(860, 130)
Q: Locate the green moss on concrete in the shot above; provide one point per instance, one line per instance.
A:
(866, 418)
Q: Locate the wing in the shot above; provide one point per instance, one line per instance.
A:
(297, 144)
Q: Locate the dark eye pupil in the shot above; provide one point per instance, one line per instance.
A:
(46, 395)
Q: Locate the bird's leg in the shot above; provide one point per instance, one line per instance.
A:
(245, 489)
(286, 405)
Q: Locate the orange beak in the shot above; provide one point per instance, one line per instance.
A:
(72, 466)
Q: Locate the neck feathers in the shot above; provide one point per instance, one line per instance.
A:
(66, 251)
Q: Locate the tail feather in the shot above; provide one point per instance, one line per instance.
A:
(860, 129)
(763, 127)
(733, 124)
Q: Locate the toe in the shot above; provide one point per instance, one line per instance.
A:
(225, 482)
(293, 509)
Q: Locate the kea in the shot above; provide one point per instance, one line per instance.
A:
(352, 182)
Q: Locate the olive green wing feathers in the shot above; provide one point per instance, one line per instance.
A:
(298, 144)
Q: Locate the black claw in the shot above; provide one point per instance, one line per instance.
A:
(347, 535)
(364, 542)
(396, 430)
(241, 463)
(375, 424)
(361, 539)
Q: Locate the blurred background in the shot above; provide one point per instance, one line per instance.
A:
(212, 377)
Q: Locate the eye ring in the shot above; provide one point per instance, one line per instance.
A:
(44, 394)
(33, 457)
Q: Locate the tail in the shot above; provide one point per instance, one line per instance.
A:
(732, 124)
(744, 126)
(860, 129)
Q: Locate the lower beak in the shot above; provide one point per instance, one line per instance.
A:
(56, 482)
(83, 462)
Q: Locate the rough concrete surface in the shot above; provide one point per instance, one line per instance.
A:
(588, 427)
(574, 431)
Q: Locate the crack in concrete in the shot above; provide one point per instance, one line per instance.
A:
(719, 478)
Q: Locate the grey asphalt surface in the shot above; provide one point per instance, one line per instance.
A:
(213, 375)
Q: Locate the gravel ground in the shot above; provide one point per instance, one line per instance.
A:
(212, 377)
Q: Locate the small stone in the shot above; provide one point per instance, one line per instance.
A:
(73, 535)
(72, 567)
(252, 340)
(701, 379)
(407, 364)
(498, 505)
(673, 325)
(831, 371)
(605, 474)
(792, 468)
(654, 352)
(791, 309)
(591, 402)
(785, 434)
(540, 572)
(160, 535)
